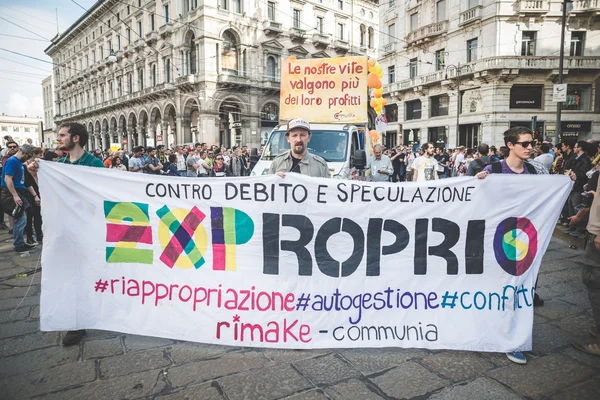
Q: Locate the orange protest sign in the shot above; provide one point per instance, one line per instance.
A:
(327, 90)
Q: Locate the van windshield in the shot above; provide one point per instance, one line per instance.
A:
(331, 145)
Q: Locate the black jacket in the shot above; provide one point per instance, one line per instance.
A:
(580, 166)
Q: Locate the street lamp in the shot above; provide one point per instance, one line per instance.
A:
(458, 68)
(112, 57)
(560, 65)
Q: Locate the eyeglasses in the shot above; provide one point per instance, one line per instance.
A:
(219, 158)
(12, 147)
(525, 144)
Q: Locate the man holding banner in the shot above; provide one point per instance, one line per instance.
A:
(298, 159)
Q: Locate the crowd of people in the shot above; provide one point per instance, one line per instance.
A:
(20, 197)
(185, 161)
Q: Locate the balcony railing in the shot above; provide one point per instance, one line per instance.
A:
(297, 33)
(427, 31)
(234, 80)
(320, 39)
(586, 5)
(341, 45)
(389, 48)
(471, 15)
(273, 27)
(498, 63)
(534, 6)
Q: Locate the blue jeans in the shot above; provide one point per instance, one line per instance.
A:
(18, 230)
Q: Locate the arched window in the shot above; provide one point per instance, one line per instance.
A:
(193, 55)
(229, 55)
(363, 31)
(371, 37)
(271, 66)
(167, 70)
(153, 77)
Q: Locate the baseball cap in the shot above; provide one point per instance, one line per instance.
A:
(298, 123)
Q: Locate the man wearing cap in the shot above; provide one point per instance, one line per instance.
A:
(14, 194)
(298, 159)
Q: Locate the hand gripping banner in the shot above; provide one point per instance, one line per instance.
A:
(296, 262)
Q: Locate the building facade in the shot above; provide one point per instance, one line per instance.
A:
(21, 128)
(188, 71)
(48, 136)
(461, 72)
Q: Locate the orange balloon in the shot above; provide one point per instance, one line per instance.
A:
(372, 62)
(292, 58)
(373, 103)
(384, 102)
(376, 94)
(373, 132)
(373, 81)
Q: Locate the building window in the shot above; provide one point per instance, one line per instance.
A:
(111, 92)
(473, 3)
(441, 10)
(15, 129)
(153, 77)
(439, 105)
(269, 115)
(128, 34)
(391, 33)
(414, 21)
(413, 69)
(392, 3)
(26, 130)
(297, 18)
(528, 43)
(141, 78)
(128, 10)
(229, 55)
(440, 60)
(392, 73)
(272, 11)
(129, 83)
(271, 68)
(391, 112)
(363, 34)
(166, 13)
(151, 22)
(118, 42)
(579, 98)
(413, 109)
(319, 26)
(236, 6)
(193, 62)
(577, 43)
(101, 93)
(109, 44)
(140, 32)
(168, 70)
(472, 50)
(108, 23)
(526, 96)
(340, 4)
(371, 37)
(340, 31)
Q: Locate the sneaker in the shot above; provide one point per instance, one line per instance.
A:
(517, 357)
(568, 230)
(537, 301)
(30, 241)
(73, 337)
(592, 348)
(10, 231)
(593, 331)
(24, 248)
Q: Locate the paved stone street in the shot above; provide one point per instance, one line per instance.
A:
(109, 365)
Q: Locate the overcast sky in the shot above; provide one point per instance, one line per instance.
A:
(21, 77)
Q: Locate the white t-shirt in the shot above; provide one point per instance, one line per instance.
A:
(546, 159)
(425, 168)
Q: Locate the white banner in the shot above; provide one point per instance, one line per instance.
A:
(296, 262)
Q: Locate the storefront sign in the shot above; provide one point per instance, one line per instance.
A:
(572, 126)
(526, 96)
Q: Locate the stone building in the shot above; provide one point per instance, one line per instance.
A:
(155, 72)
(20, 128)
(49, 132)
(498, 59)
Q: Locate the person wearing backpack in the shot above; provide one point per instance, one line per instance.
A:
(519, 141)
(478, 164)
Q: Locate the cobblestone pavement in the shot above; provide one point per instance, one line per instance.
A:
(110, 365)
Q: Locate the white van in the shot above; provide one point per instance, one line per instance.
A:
(335, 143)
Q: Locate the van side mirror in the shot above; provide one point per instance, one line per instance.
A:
(360, 159)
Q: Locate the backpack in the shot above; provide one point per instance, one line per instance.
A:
(480, 165)
(497, 168)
